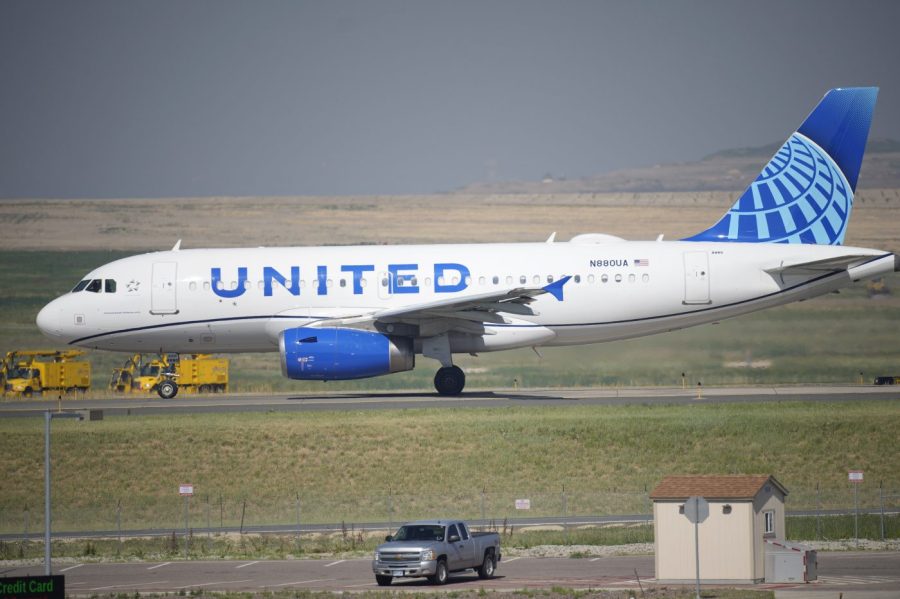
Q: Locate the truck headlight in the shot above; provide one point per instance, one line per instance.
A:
(428, 555)
(377, 557)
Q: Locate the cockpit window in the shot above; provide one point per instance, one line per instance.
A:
(94, 286)
(81, 285)
(110, 285)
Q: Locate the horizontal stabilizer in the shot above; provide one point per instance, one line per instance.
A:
(816, 266)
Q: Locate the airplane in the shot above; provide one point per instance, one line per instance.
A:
(336, 313)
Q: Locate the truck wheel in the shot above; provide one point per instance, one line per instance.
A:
(167, 389)
(27, 392)
(486, 570)
(383, 581)
(440, 573)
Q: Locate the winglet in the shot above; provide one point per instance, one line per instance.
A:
(556, 289)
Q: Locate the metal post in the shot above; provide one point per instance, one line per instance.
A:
(208, 527)
(881, 497)
(390, 510)
(818, 514)
(47, 493)
(119, 522)
(565, 510)
(856, 513)
(187, 505)
(697, 551)
(298, 522)
(483, 517)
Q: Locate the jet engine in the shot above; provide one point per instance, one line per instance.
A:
(333, 354)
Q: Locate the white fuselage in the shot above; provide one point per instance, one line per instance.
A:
(239, 300)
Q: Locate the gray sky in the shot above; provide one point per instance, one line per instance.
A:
(180, 98)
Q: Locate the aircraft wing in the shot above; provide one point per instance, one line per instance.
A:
(466, 314)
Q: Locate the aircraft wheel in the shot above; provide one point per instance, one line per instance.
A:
(167, 389)
(450, 380)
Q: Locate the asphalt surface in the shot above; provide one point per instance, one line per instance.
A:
(848, 573)
(606, 396)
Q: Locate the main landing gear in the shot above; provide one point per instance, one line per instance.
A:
(450, 380)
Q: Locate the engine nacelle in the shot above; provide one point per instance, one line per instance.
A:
(311, 354)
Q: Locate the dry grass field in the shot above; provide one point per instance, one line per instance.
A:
(153, 224)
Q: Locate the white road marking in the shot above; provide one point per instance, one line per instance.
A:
(340, 561)
(287, 584)
(353, 586)
(159, 565)
(206, 584)
(512, 559)
(598, 559)
(245, 565)
(128, 586)
(71, 567)
(855, 580)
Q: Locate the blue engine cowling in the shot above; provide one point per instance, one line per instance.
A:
(310, 354)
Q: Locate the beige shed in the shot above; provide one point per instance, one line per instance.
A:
(744, 511)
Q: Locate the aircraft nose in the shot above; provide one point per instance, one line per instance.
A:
(49, 320)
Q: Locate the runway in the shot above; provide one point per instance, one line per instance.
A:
(603, 396)
(845, 573)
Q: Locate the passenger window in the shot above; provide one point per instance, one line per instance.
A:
(591, 278)
(192, 286)
(496, 280)
(577, 278)
(604, 278)
(451, 530)
(94, 286)
(523, 279)
(343, 282)
(537, 279)
(509, 280)
(549, 278)
(80, 286)
(618, 278)
(481, 280)
(631, 278)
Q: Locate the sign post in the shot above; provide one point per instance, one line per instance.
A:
(186, 491)
(855, 477)
(697, 510)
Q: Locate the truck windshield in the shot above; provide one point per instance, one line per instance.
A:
(420, 532)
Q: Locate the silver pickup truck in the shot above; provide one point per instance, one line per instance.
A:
(434, 548)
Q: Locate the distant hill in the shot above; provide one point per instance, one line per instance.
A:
(727, 170)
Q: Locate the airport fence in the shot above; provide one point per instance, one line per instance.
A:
(866, 511)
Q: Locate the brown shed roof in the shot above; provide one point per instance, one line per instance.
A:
(733, 486)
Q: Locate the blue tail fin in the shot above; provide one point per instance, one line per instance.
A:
(805, 193)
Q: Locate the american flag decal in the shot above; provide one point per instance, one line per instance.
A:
(641, 262)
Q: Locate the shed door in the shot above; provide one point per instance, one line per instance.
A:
(696, 278)
(162, 289)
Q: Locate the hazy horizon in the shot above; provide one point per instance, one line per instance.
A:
(205, 98)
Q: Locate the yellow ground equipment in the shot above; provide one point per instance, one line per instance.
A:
(33, 372)
(195, 373)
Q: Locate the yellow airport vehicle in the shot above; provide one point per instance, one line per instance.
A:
(33, 372)
(166, 374)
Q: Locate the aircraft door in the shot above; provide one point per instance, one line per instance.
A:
(696, 278)
(163, 288)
